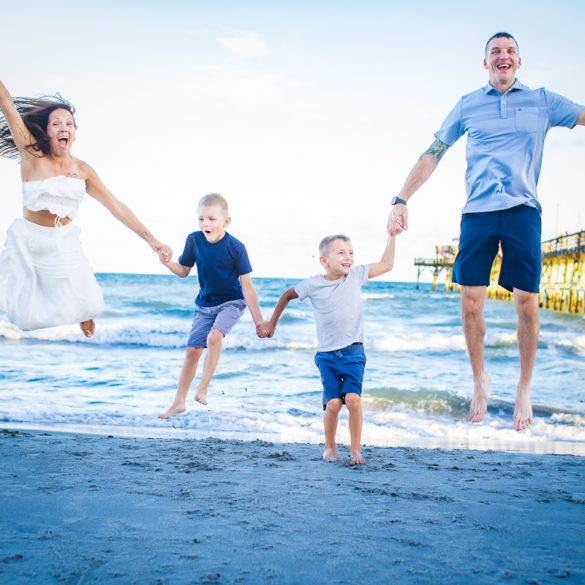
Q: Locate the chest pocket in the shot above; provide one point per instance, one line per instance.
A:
(526, 119)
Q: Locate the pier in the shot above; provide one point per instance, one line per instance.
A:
(443, 261)
(562, 282)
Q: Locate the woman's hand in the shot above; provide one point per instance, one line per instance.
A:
(164, 252)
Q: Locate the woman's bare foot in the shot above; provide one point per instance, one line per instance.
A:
(330, 454)
(88, 327)
(523, 409)
(478, 406)
(355, 458)
(175, 408)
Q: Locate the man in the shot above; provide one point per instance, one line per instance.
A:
(506, 124)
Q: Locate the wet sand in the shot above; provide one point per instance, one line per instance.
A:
(86, 509)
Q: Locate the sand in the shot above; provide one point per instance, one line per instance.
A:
(89, 509)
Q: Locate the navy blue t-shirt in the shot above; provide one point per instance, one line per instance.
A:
(219, 267)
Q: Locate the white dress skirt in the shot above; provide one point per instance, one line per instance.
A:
(45, 277)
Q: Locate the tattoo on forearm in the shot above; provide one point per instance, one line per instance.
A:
(437, 149)
(143, 234)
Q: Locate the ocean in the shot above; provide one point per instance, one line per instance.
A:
(417, 386)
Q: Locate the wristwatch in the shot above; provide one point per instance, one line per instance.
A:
(396, 200)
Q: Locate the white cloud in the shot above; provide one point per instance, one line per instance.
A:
(245, 45)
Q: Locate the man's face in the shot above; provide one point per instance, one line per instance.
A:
(501, 61)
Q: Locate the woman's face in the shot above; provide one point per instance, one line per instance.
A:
(61, 131)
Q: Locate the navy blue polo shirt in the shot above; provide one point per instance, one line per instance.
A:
(219, 267)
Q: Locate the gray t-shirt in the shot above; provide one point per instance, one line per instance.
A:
(337, 305)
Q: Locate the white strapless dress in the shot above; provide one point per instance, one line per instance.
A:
(45, 277)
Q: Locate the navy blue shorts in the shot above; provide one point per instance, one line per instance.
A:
(518, 231)
(342, 371)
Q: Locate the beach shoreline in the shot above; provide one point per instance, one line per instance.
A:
(473, 442)
(81, 508)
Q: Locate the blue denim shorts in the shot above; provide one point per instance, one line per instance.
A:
(518, 231)
(342, 371)
(222, 317)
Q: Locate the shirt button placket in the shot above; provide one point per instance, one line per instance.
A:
(503, 107)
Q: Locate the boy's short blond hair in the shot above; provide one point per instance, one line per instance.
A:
(327, 240)
(215, 199)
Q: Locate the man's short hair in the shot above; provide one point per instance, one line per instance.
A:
(326, 242)
(215, 199)
(501, 35)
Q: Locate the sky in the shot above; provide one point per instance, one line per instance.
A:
(306, 115)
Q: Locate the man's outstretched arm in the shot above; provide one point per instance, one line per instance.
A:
(422, 170)
(581, 118)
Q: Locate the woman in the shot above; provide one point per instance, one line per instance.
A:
(45, 278)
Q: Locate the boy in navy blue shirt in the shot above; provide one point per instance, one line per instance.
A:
(225, 286)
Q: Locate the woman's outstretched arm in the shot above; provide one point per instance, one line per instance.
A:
(20, 134)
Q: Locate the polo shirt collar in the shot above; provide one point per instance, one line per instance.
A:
(517, 86)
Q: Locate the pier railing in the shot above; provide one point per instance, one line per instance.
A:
(563, 245)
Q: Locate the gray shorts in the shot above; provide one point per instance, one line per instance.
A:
(222, 317)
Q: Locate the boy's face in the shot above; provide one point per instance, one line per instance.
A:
(338, 259)
(213, 222)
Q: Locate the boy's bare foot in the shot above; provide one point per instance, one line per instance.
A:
(175, 408)
(330, 454)
(479, 403)
(523, 410)
(201, 397)
(88, 327)
(355, 458)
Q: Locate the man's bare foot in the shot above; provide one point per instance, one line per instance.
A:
(523, 409)
(175, 408)
(330, 454)
(355, 458)
(201, 397)
(479, 403)
(88, 327)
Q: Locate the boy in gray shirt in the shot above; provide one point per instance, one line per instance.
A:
(336, 300)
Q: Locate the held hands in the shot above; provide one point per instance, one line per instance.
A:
(164, 253)
(157, 246)
(397, 220)
(264, 329)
